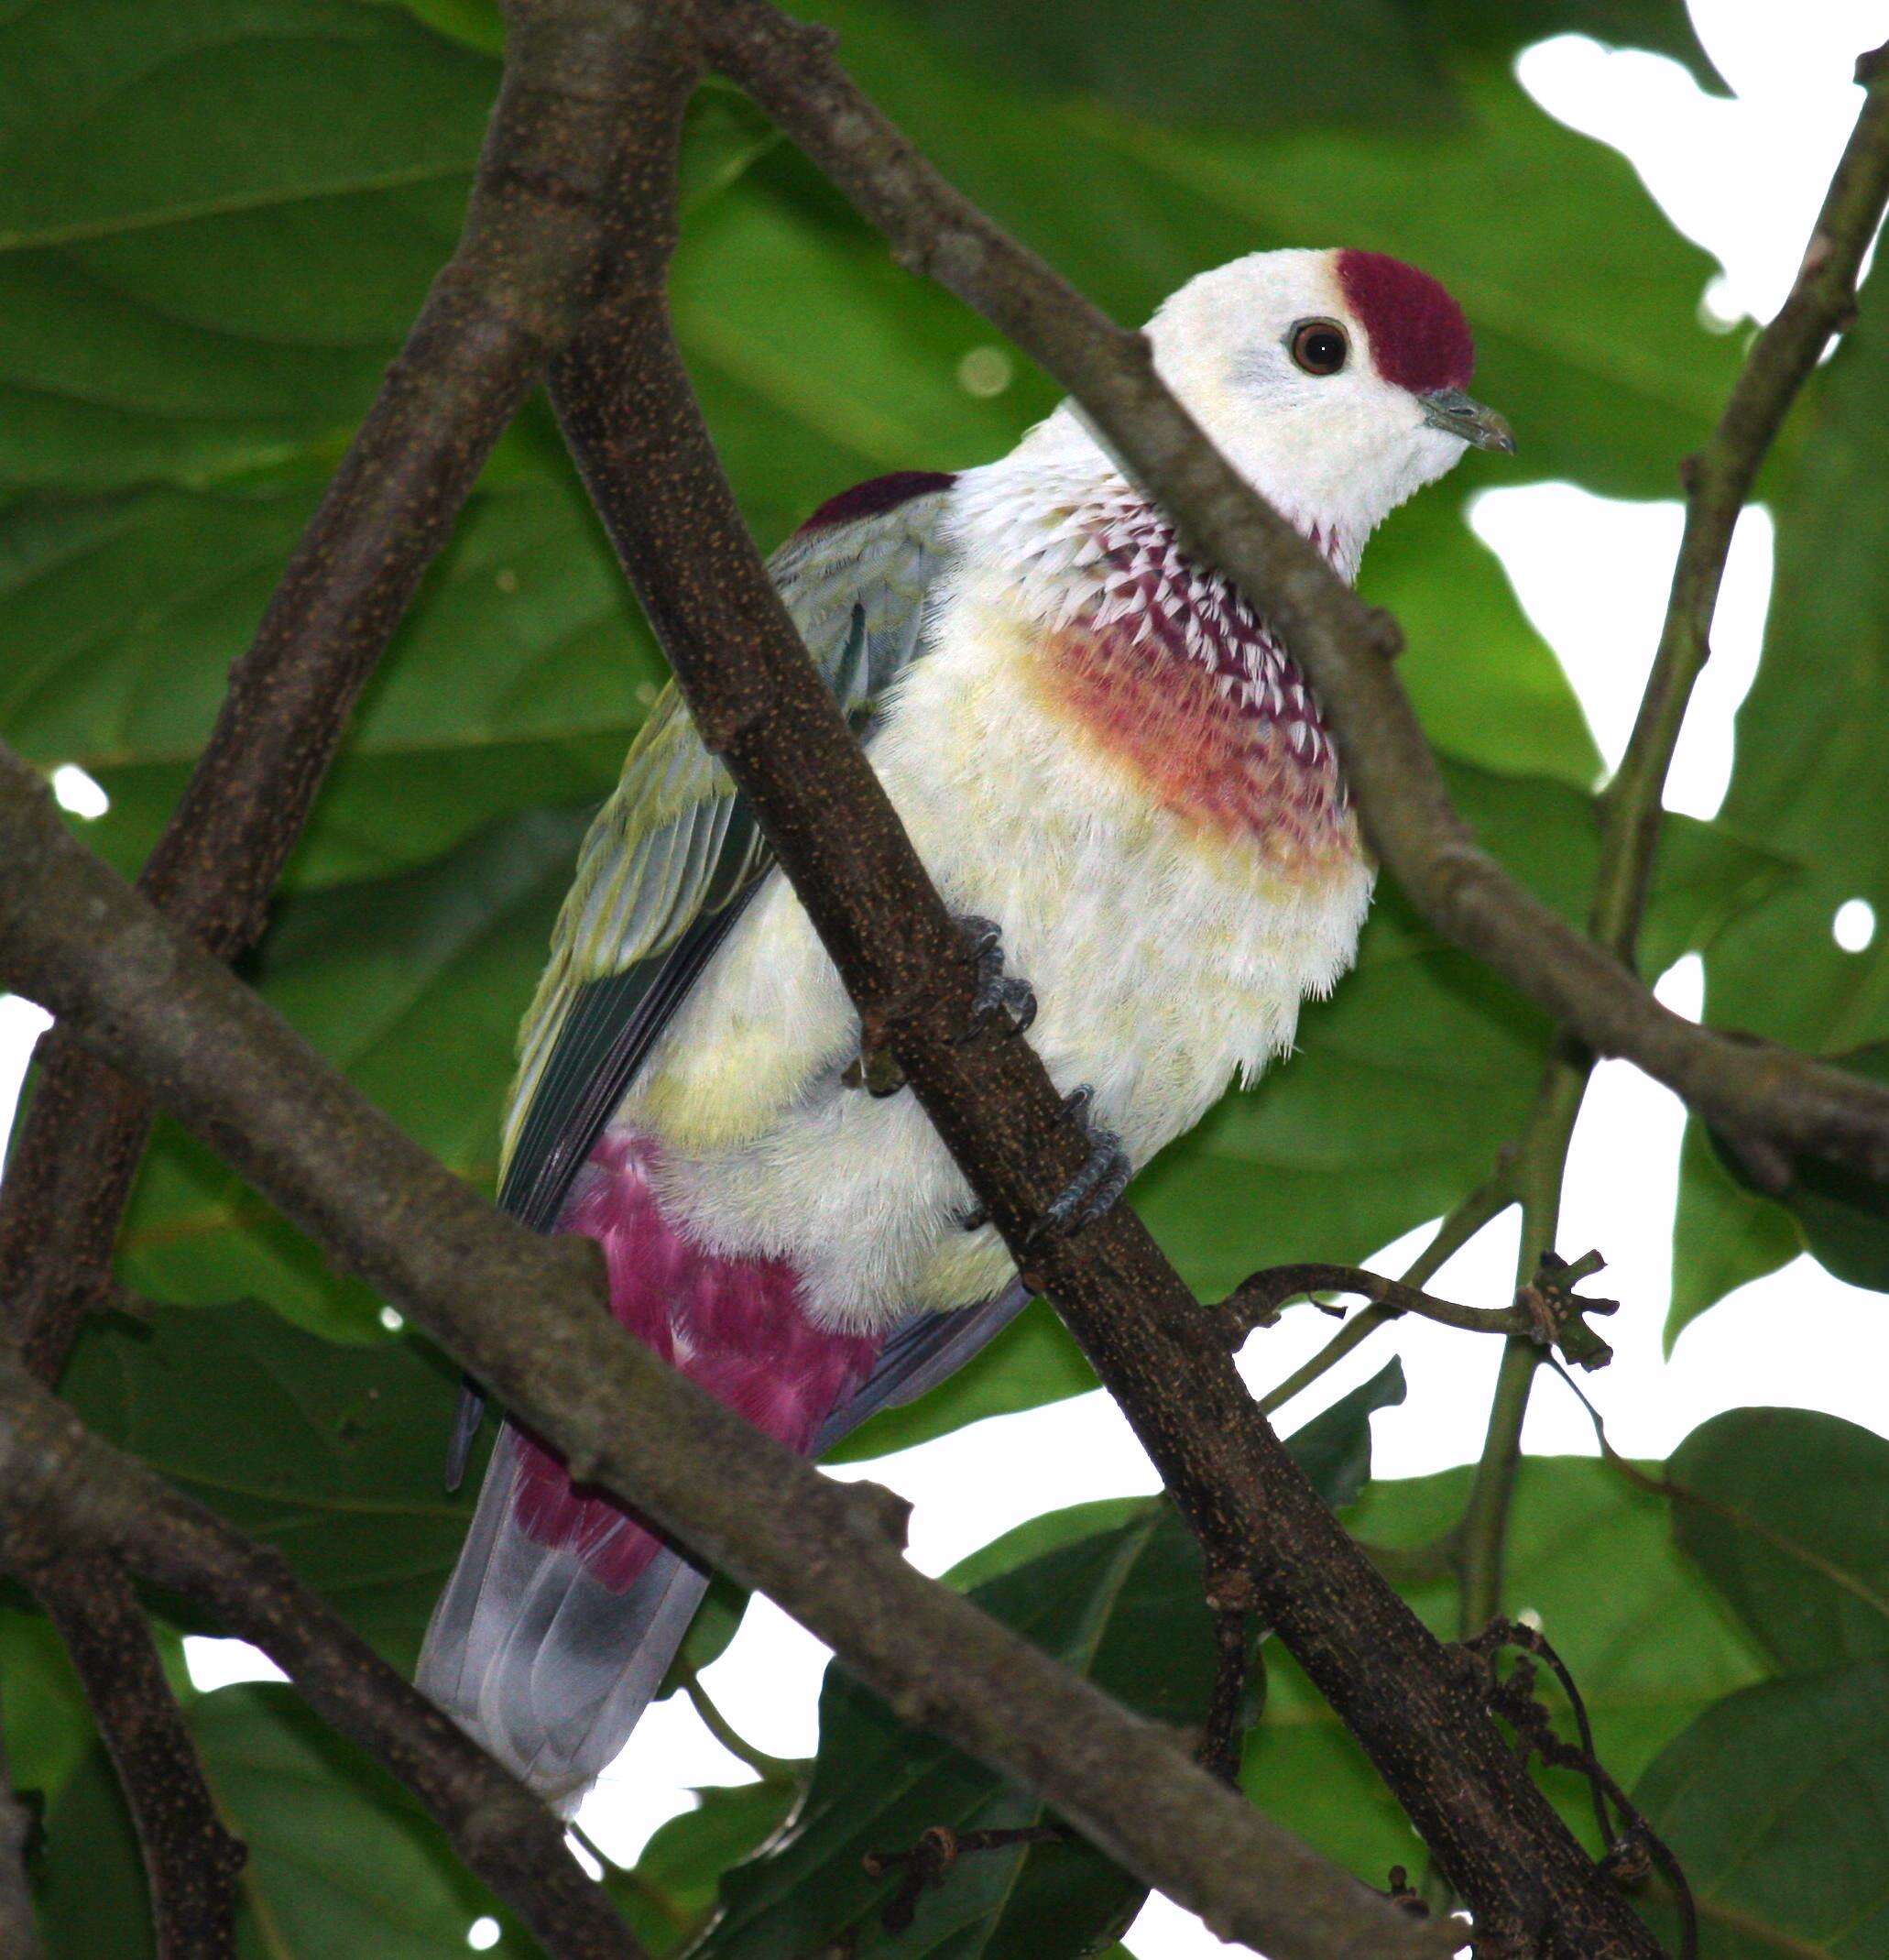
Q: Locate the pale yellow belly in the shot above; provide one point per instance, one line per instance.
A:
(1165, 959)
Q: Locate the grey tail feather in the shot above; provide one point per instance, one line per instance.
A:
(546, 1668)
(536, 1660)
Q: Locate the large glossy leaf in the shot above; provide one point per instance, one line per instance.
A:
(519, 681)
(1648, 1642)
(48, 1728)
(1811, 778)
(1486, 686)
(1583, 299)
(334, 1453)
(1242, 64)
(1405, 1083)
(1124, 1606)
(413, 986)
(1774, 1803)
(216, 222)
(1787, 1511)
(341, 1860)
(1113, 1589)
(1841, 1213)
(671, 1893)
(213, 222)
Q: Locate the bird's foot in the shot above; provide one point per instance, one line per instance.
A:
(1093, 1190)
(1007, 1003)
(1000, 998)
(1098, 1186)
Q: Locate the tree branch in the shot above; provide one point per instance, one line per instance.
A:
(528, 1315)
(1344, 645)
(1545, 1310)
(65, 1490)
(1719, 480)
(636, 434)
(535, 254)
(191, 1860)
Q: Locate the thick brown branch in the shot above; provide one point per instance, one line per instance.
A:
(191, 1860)
(535, 254)
(67, 1489)
(638, 435)
(1343, 644)
(527, 1316)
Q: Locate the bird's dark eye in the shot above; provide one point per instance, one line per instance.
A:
(1319, 347)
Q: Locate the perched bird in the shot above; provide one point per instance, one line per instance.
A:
(1117, 777)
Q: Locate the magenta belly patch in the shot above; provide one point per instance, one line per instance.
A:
(734, 1326)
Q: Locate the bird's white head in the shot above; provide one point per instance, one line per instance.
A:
(1332, 381)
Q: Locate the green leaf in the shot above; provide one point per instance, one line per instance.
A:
(341, 1860)
(335, 1454)
(214, 222)
(1420, 1067)
(1501, 29)
(413, 986)
(1243, 64)
(1842, 1214)
(1585, 308)
(1787, 1511)
(1486, 686)
(1724, 1234)
(518, 679)
(1810, 779)
(1123, 1606)
(1334, 1448)
(1116, 1590)
(48, 1727)
(1590, 1553)
(215, 227)
(673, 1890)
(1773, 1802)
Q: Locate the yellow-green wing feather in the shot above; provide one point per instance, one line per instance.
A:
(674, 848)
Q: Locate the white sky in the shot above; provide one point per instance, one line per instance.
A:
(1743, 178)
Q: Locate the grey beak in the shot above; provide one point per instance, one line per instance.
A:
(1457, 414)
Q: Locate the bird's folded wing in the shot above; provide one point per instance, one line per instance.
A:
(675, 852)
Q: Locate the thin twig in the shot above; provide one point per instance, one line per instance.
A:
(1536, 1170)
(1546, 1311)
(1633, 1848)
(1220, 1733)
(1464, 1220)
(1718, 481)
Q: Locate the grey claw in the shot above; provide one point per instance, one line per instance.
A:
(1097, 1186)
(999, 996)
